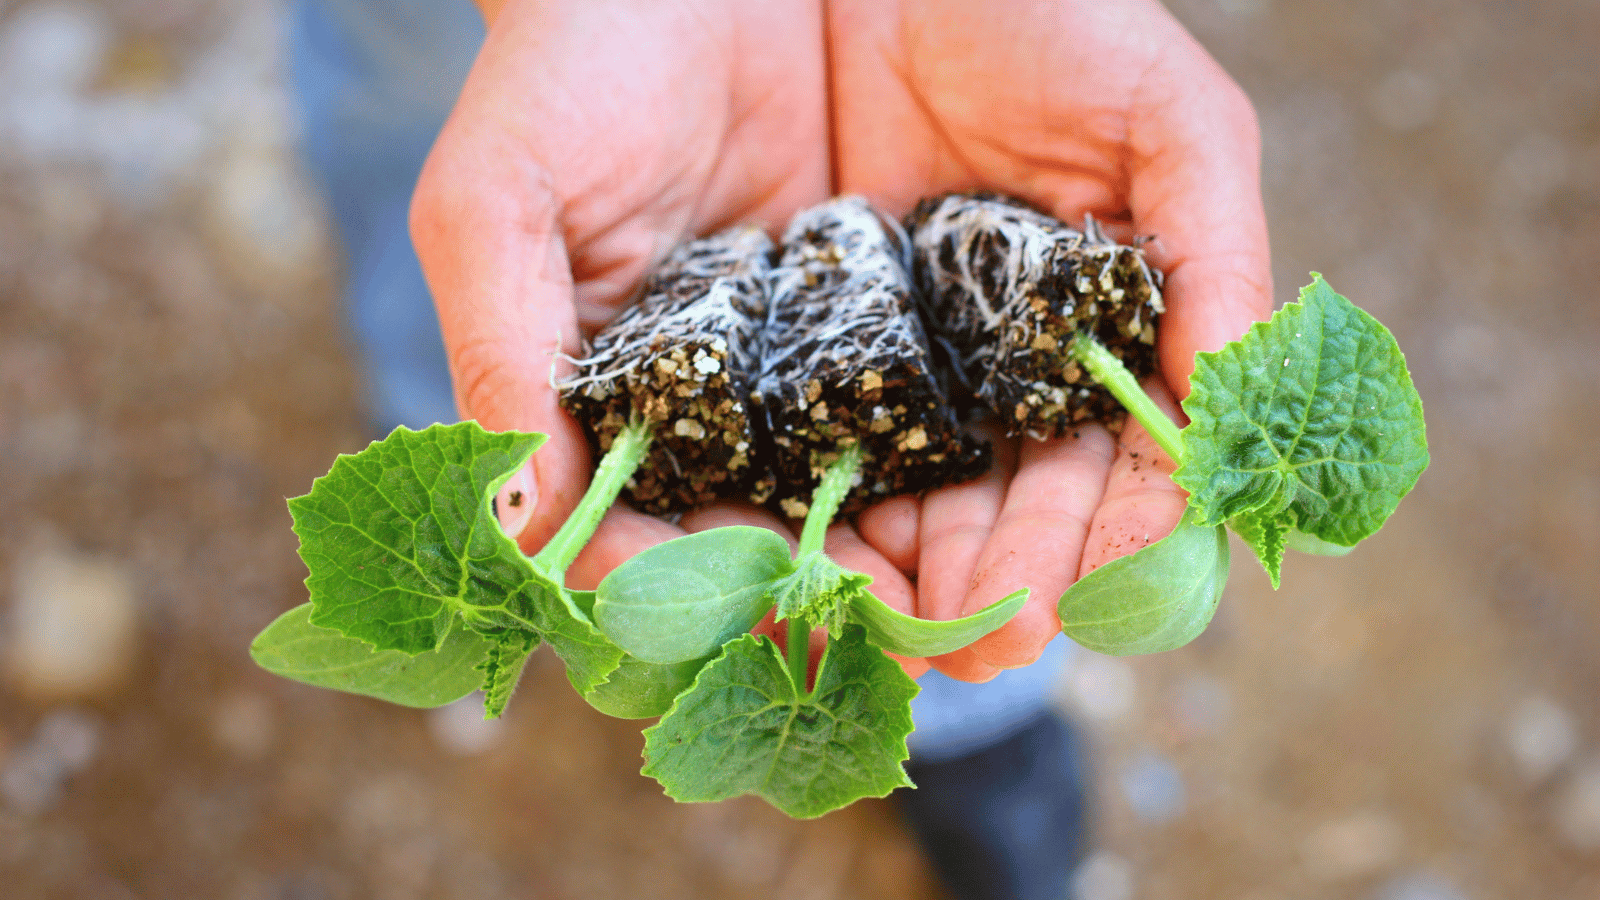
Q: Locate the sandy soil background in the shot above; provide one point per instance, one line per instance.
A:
(1415, 722)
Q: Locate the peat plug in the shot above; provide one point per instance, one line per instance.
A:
(1005, 288)
(682, 359)
(845, 360)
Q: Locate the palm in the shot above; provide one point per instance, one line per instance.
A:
(591, 138)
(1078, 110)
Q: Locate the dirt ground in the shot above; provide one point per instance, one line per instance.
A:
(1414, 722)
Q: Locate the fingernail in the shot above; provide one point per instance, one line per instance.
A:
(515, 503)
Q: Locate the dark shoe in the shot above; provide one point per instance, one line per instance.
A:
(1006, 822)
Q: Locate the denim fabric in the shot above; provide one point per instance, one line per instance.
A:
(375, 80)
(955, 718)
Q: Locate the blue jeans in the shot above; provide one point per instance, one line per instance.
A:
(375, 80)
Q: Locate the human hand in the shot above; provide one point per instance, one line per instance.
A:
(589, 140)
(1083, 106)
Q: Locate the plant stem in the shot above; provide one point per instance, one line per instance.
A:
(798, 639)
(825, 500)
(616, 467)
(1110, 372)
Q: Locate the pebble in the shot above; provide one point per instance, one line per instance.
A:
(1354, 846)
(73, 624)
(460, 727)
(1541, 736)
(1101, 687)
(1531, 171)
(1418, 886)
(65, 742)
(1577, 808)
(243, 724)
(54, 46)
(265, 213)
(1103, 876)
(1153, 788)
(1202, 704)
(1406, 100)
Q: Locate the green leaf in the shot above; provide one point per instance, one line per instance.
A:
(1300, 542)
(401, 542)
(590, 658)
(906, 635)
(641, 690)
(819, 591)
(294, 648)
(1310, 422)
(682, 600)
(502, 669)
(743, 729)
(1267, 537)
(1159, 598)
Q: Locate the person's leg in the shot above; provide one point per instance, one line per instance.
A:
(1000, 799)
(374, 82)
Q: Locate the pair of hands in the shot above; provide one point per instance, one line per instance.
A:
(592, 137)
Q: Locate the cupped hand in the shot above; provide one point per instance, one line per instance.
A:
(1106, 108)
(589, 140)
(592, 137)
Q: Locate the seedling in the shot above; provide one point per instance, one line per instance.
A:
(419, 598)
(414, 585)
(1303, 434)
(1006, 288)
(753, 722)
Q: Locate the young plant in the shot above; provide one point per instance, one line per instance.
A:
(417, 595)
(419, 598)
(753, 722)
(1303, 434)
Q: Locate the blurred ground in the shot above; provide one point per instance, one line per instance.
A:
(1415, 722)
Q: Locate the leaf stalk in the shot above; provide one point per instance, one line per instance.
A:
(1109, 371)
(825, 502)
(616, 467)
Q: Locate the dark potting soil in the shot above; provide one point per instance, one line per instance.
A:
(846, 362)
(759, 365)
(683, 357)
(1005, 288)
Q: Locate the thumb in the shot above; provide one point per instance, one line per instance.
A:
(1195, 186)
(486, 226)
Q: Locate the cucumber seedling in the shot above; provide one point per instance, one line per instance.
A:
(735, 379)
(1304, 434)
(418, 597)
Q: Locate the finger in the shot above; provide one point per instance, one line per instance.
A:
(1195, 186)
(497, 266)
(846, 547)
(964, 666)
(622, 534)
(718, 515)
(1038, 540)
(891, 529)
(953, 526)
(1141, 503)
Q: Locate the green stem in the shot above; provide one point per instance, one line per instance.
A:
(825, 501)
(616, 467)
(799, 655)
(1110, 372)
(826, 498)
